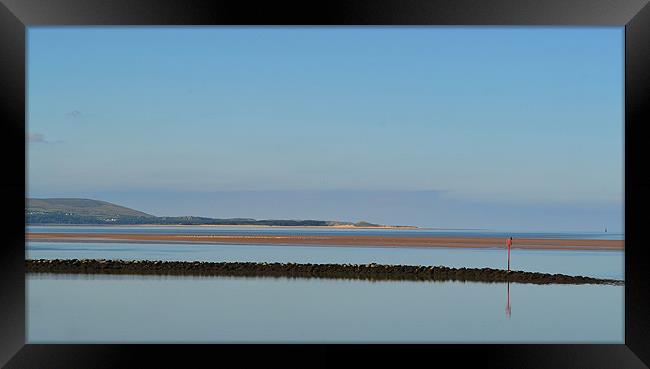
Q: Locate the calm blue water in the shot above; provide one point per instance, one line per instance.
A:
(155, 309)
(165, 309)
(601, 264)
(319, 231)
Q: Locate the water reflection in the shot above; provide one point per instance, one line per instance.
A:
(168, 309)
(508, 307)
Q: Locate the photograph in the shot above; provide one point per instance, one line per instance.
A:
(325, 184)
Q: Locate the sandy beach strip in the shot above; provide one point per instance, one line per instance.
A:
(339, 240)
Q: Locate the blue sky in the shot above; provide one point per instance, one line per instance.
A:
(502, 127)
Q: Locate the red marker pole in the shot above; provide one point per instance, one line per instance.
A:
(508, 242)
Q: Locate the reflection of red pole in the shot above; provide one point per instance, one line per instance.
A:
(508, 308)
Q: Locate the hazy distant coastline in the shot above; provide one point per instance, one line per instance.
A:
(74, 211)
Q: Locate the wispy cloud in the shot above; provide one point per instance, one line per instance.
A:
(73, 114)
(36, 138)
(40, 138)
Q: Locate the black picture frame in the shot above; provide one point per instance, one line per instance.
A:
(16, 15)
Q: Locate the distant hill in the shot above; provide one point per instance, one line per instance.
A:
(87, 211)
(81, 207)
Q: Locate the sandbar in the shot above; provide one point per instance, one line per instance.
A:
(339, 240)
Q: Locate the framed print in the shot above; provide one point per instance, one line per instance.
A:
(464, 181)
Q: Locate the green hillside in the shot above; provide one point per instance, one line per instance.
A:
(86, 211)
(83, 207)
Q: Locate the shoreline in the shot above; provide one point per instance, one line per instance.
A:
(225, 225)
(336, 240)
(372, 271)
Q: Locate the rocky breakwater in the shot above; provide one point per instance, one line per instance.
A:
(338, 271)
